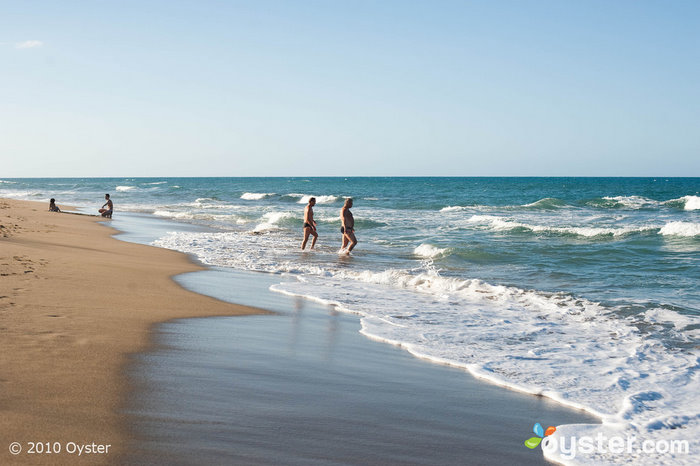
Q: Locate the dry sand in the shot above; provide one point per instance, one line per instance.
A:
(74, 304)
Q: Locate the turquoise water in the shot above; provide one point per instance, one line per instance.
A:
(583, 289)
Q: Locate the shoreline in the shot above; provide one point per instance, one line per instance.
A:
(308, 368)
(137, 228)
(77, 304)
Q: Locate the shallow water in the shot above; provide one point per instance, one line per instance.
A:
(586, 290)
(303, 387)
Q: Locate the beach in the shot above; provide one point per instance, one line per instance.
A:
(579, 291)
(75, 305)
(304, 387)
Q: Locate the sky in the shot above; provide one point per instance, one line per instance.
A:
(349, 88)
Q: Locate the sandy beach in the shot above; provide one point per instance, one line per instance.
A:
(75, 305)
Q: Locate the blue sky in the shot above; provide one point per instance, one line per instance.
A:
(305, 88)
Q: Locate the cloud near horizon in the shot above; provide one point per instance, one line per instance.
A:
(29, 44)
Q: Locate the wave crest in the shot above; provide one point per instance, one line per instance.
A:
(500, 224)
(255, 196)
(272, 221)
(685, 202)
(686, 229)
(546, 203)
(429, 251)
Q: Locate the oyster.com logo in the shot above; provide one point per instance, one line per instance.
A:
(533, 442)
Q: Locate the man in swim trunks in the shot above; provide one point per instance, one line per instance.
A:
(348, 228)
(110, 207)
(309, 224)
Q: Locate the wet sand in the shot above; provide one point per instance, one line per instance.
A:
(304, 387)
(75, 304)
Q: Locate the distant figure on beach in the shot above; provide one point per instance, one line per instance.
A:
(110, 207)
(309, 224)
(348, 228)
(52, 206)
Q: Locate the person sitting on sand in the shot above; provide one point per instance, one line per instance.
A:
(309, 224)
(52, 206)
(110, 207)
(348, 228)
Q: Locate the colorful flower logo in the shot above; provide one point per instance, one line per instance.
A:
(532, 442)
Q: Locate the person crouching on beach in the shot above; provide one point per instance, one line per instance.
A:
(309, 224)
(52, 206)
(348, 228)
(110, 207)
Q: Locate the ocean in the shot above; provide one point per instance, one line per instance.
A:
(585, 290)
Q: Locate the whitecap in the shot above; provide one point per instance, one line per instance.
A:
(687, 229)
(271, 221)
(255, 196)
(496, 223)
(456, 208)
(319, 199)
(688, 202)
(428, 250)
(633, 202)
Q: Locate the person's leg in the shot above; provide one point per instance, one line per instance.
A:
(353, 240)
(306, 237)
(344, 240)
(313, 241)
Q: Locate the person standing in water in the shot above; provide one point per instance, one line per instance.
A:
(348, 228)
(110, 207)
(309, 224)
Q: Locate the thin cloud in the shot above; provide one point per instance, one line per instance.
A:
(29, 44)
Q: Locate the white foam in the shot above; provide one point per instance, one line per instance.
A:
(504, 224)
(319, 199)
(188, 215)
(428, 250)
(255, 196)
(173, 214)
(570, 349)
(157, 182)
(679, 321)
(125, 188)
(23, 194)
(554, 345)
(210, 203)
(633, 202)
(455, 208)
(271, 221)
(686, 229)
(689, 202)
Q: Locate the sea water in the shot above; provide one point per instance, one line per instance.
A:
(585, 290)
